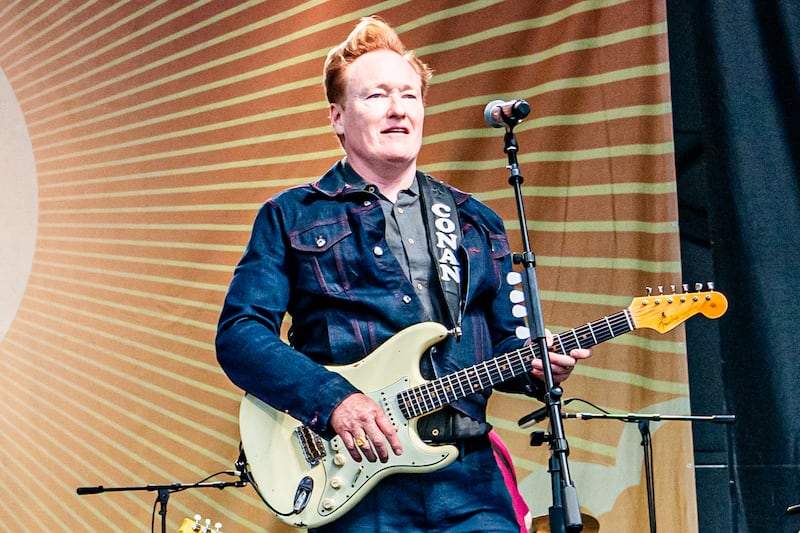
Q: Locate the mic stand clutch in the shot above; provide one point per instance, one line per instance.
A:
(565, 513)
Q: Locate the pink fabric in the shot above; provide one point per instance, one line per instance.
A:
(506, 465)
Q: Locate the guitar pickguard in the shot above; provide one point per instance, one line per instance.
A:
(347, 478)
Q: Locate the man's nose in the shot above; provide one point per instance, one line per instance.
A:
(397, 105)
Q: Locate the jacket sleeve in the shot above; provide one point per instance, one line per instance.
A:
(249, 345)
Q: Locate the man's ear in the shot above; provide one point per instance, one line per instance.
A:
(335, 113)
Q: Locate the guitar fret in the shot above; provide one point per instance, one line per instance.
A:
(577, 341)
(455, 393)
(627, 314)
(496, 370)
(477, 375)
(591, 331)
(509, 366)
(433, 395)
(469, 381)
(560, 344)
(404, 400)
(483, 370)
(426, 398)
(490, 372)
(608, 324)
(493, 371)
(480, 373)
(415, 402)
(622, 325)
(430, 396)
(526, 357)
(491, 375)
(585, 336)
(443, 391)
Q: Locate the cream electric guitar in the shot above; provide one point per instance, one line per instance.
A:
(308, 481)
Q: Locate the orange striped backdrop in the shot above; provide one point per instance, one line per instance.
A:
(157, 129)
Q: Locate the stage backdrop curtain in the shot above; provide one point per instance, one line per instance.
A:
(154, 130)
(749, 83)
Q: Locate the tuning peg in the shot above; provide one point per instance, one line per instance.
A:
(516, 296)
(710, 285)
(523, 333)
(519, 311)
(685, 287)
(218, 527)
(698, 287)
(513, 278)
(649, 291)
(196, 526)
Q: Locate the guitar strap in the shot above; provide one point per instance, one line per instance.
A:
(443, 230)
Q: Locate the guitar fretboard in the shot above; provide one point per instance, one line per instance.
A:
(445, 390)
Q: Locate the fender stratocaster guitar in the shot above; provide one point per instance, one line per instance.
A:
(308, 481)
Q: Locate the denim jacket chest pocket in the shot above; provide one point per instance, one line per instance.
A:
(321, 252)
(486, 252)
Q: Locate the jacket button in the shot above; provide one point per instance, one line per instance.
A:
(406, 299)
(321, 241)
(377, 251)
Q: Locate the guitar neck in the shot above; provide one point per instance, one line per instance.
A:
(432, 395)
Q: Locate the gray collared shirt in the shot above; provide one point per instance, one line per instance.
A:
(407, 238)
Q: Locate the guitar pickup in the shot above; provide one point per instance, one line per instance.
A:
(311, 444)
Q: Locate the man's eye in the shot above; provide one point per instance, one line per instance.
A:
(373, 96)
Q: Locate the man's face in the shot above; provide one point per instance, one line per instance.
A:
(382, 114)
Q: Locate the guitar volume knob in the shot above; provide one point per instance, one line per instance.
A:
(339, 459)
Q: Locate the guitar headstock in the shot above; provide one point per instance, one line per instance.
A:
(662, 311)
(196, 526)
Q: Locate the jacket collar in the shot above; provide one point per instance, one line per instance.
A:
(334, 183)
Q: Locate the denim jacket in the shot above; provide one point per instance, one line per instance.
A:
(318, 253)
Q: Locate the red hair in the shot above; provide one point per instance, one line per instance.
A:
(369, 35)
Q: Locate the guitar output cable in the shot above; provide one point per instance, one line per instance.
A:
(301, 496)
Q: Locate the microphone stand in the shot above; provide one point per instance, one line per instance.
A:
(643, 421)
(164, 492)
(564, 514)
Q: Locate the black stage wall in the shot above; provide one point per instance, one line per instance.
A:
(734, 67)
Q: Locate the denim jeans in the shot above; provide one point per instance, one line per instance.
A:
(467, 496)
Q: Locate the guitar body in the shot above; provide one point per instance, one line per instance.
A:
(279, 459)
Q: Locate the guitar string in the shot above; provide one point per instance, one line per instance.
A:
(431, 395)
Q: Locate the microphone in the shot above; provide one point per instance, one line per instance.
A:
(538, 415)
(90, 490)
(499, 113)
